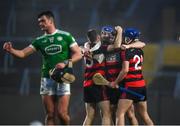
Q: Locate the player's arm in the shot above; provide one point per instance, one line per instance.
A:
(76, 53)
(18, 53)
(123, 72)
(121, 76)
(136, 44)
(118, 39)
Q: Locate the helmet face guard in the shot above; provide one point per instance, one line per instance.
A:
(127, 40)
(130, 34)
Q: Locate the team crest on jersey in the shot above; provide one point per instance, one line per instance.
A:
(99, 57)
(51, 39)
(53, 49)
(59, 38)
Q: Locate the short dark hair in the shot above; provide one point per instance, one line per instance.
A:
(92, 35)
(48, 14)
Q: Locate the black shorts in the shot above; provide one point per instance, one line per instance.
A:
(95, 94)
(140, 90)
(114, 95)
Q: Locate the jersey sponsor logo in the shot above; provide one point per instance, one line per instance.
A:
(53, 49)
(112, 58)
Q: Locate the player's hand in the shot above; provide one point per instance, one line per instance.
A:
(61, 65)
(88, 54)
(82, 49)
(113, 85)
(63, 72)
(7, 46)
(85, 51)
(124, 47)
(118, 29)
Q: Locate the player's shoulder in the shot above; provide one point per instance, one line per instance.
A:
(63, 33)
(40, 37)
(133, 51)
(129, 51)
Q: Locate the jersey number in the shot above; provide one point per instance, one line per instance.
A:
(138, 60)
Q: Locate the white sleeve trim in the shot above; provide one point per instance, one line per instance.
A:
(73, 44)
(86, 45)
(31, 46)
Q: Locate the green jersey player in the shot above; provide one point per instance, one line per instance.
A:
(56, 47)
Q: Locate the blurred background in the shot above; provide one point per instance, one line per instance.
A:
(158, 21)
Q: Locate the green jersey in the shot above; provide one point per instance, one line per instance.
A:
(54, 47)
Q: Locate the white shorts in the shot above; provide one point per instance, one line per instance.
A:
(50, 87)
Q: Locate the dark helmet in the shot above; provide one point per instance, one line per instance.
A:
(108, 34)
(130, 34)
(108, 29)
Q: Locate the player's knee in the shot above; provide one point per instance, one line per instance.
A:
(143, 113)
(65, 119)
(120, 115)
(106, 115)
(131, 115)
(90, 115)
(63, 115)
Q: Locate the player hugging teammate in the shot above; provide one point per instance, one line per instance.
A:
(111, 51)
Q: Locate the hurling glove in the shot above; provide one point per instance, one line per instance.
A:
(63, 75)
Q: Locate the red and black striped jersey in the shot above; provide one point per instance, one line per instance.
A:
(134, 77)
(93, 65)
(113, 65)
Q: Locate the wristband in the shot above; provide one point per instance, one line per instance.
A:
(66, 62)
